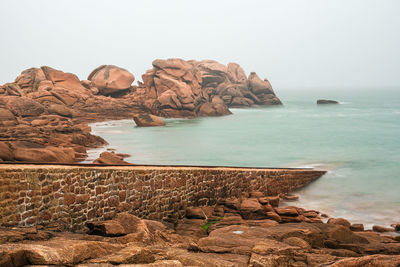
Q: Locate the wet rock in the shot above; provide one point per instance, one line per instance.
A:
(357, 227)
(110, 158)
(290, 197)
(325, 101)
(382, 229)
(148, 120)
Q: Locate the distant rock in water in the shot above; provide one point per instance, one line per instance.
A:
(148, 120)
(326, 101)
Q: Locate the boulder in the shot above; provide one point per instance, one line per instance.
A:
(357, 227)
(148, 120)
(382, 229)
(25, 107)
(339, 221)
(110, 158)
(250, 208)
(110, 79)
(326, 101)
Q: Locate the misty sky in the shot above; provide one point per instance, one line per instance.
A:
(294, 43)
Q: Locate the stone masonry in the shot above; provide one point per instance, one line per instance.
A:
(73, 195)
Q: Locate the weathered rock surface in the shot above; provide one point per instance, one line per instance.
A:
(148, 120)
(129, 240)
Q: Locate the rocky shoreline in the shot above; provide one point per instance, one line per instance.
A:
(252, 230)
(44, 113)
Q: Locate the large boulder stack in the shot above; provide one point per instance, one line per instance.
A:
(232, 86)
(174, 88)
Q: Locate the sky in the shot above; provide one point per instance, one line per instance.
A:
(296, 44)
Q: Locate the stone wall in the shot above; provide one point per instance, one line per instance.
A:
(40, 194)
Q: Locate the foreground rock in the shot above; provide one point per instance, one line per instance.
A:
(228, 240)
(325, 101)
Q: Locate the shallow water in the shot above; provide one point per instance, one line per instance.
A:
(357, 141)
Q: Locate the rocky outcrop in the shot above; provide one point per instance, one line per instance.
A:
(147, 120)
(110, 79)
(232, 86)
(325, 101)
(49, 108)
(174, 89)
(203, 88)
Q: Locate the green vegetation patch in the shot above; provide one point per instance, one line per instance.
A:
(209, 223)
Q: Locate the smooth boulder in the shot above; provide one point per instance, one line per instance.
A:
(110, 79)
(148, 120)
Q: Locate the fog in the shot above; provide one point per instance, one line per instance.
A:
(296, 44)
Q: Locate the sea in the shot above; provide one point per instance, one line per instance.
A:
(357, 142)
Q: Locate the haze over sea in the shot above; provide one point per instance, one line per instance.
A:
(358, 141)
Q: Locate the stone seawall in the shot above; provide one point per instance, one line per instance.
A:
(40, 194)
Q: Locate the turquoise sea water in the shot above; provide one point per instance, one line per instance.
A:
(358, 141)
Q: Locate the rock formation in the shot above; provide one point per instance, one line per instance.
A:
(179, 88)
(43, 113)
